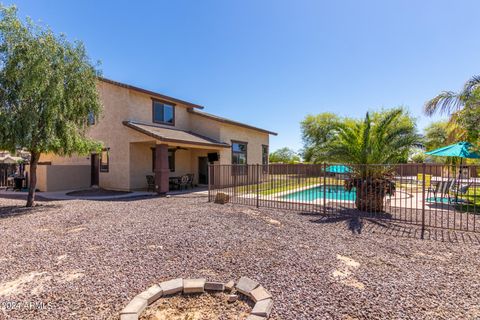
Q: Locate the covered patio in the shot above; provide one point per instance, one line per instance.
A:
(169, 154)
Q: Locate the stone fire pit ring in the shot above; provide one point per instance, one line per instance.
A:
(249, 288)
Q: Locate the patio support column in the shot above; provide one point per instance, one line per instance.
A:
(161, 169)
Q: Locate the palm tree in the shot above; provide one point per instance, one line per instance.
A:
(449, 102)
(372, 147)
(457, 105)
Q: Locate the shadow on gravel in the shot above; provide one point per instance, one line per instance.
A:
(358, 222)
(353, 219)
(14, 211)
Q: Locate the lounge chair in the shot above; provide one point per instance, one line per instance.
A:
(440, 189)
(459, 190)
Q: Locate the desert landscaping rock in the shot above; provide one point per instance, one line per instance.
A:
(230, 285)
(246, 285)
(127, 246)
(128, 316)
(214, 286)
(172, 286)
(152, 294)
(135, 307)
(260, 293)
(263, 308)
(194, 285)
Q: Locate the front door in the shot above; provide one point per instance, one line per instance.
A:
(95, 169)
(202, 170)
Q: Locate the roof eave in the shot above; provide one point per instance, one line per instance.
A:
(232, 122)
(151, 93)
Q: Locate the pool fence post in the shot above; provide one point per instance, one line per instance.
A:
(422, 234)
(258, 183)
(324, 188)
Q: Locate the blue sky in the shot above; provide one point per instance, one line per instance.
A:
(269, 63)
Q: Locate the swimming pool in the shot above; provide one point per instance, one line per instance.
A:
(332, 192)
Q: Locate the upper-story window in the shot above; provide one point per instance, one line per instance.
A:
(163, 112)
(239, 152)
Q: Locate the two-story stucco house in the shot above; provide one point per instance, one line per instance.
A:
(147, 133)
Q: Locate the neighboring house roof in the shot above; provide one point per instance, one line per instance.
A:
(174, 135)
(10, 159)
(225, 120)
(151, 93)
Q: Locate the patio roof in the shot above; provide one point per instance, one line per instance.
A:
(174, 135)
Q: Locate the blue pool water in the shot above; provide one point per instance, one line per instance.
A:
(332, 192)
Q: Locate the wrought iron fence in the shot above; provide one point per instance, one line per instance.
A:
(6, 171)
(429, 195)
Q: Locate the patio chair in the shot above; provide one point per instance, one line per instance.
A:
(183, 182)
(150, 183)
(190, 179)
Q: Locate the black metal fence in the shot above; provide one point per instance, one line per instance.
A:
(429, 195)
(6, 173)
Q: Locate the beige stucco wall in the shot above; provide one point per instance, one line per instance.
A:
(68, 177)
(129, 150)
(62, 177)
(254, 140)
(205, 127)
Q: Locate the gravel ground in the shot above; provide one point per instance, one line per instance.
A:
(87, 259)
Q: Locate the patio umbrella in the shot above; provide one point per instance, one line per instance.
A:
(460, 150)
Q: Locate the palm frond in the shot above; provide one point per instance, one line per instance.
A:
(445, 103)
(470, 86)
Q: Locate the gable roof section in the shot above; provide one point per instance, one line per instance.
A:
(174, 135)
(151, 93)
(228, 121)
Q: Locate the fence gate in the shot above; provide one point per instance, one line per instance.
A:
(429, 195)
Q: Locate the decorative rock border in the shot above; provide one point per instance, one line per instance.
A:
(246, 286)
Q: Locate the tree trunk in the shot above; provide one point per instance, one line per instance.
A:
(370, 195)
(33, 178)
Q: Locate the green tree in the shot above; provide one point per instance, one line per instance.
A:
(284, 155)
(437, 135)
(381, 138)
(317, 130)
(47, 91)
(463, 107)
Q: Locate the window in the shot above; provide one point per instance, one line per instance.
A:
(163, 112)
(239, 152)
(264, 154)
(239, 156)
(91, 119)
(104, 161)
(265, 158)
(171, 159)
